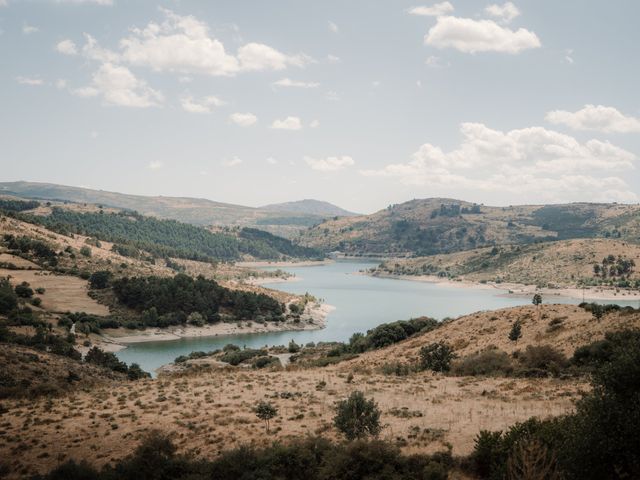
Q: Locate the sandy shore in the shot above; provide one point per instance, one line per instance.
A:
(314, 318)
(258, 281)
(589, 293)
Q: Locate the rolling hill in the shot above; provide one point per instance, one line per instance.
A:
(198, 211)
(310, 207)
(441, 225)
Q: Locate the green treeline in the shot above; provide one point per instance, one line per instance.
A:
(18, 205)
(182, 296)
(170, 238)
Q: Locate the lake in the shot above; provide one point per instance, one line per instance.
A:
(362, 302)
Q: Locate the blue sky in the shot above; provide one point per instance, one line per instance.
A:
(359, 103)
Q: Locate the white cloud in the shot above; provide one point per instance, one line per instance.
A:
(568, 56)
(333, 27)
(243, 119)
(118, 86)
(437, 10)
(155, 165)
(596, 117)
(4, 3)
(61, 83)
(32, 81)
(506, 13)
(471, 36)
(329, 164)
(104, 3)
(93, 134)
(93, 51)
(287, 82)
(332, 96)
(289, 123)
(67, 47)
(531, 161)
(29, 29)
(233, 162)
(314, 123)
(333, 59)
(204, 105)
(183, 44)
(272, 161)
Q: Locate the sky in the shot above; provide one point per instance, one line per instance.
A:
(361, 103)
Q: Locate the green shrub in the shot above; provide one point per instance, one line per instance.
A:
(436, 357)
(490, 362)
(357, 417)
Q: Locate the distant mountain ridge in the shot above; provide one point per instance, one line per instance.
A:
(198, 211)
(311, 207)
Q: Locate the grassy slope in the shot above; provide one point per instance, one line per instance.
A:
(561, 263)
(410, 229)
(210, 410)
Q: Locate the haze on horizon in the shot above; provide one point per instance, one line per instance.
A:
(358, 104)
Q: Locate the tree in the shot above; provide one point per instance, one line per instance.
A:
(537, 301)
(436, 357)
(597, 311)
(516, 331)
(293, 347)
(85, 251)
(8, 298)
(265, 411)
(24, 290)
(100, 279)
(357, 417)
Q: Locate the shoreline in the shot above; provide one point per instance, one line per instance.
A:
(314, 318)
(518, 289)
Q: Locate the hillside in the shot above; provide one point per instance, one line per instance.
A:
(560, 263)
(310, 207)
(197, 211)
(209, 409)
(438, 225)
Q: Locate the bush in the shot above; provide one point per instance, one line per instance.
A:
(357, 417)
(542, 360)
(436, 357)
(236, 357)
(85, 251)
(488, 362)
(100, 279)
(23, 290)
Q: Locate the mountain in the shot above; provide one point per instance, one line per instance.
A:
(198, 211)
(310, 207)
(441, 225)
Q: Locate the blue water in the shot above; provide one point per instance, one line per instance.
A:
(361, 302)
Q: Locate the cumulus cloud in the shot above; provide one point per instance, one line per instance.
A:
(243, 119)
(333, 27)
(289, 123)
(232, 162)
(118, 86)
(184, 44)
(329, 164)
(506, 13)
(287, 82)
(470, 36)
(314, 123)
(595, 117)
(67, 47)
(272, 161)
(203, 105)
(31, 81)
(536, 161)
(437, 10)
(29, 29)
(154, 165)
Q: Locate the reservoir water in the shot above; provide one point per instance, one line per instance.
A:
(362, 302)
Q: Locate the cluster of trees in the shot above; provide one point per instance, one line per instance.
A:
(28, 246)
(599, 441)
(173, 300)
(108, 360)
(454, 210)
(9, 205)
(169, 238)
(613, 266)
(311, 458)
